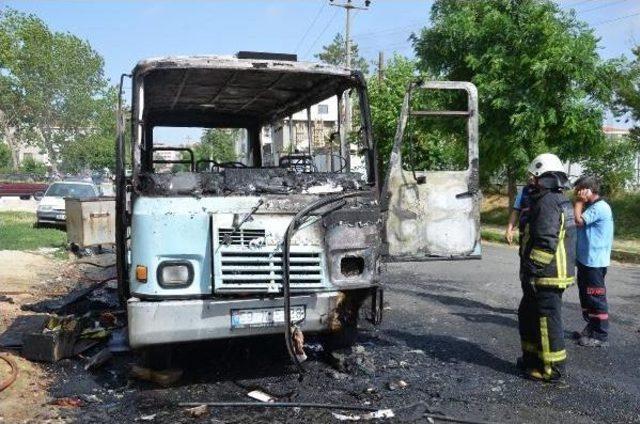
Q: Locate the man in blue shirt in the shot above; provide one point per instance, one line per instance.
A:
(595, 237)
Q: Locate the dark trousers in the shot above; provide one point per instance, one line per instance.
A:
(593, 299)
(540, 323)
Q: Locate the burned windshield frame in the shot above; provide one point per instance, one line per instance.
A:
(142, 127)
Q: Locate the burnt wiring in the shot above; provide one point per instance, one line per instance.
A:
(296, 222)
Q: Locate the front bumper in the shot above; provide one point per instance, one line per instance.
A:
(175, 321)
(51, 217)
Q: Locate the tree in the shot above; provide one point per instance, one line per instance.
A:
(94, 150)
(542, 85)
(33, 167)
(429, 144)
(628, 95)
(217, 144)
(614, 163)
(51, 84)
(5, 158)
(335, 53)
(385, 101)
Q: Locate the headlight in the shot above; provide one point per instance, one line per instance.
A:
(44, 208)
(173, 274)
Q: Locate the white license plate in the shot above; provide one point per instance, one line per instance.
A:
(264, 317)
(60, 217)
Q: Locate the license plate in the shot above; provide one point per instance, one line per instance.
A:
(264, 317)
(61, 217)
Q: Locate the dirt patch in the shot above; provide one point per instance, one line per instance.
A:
(26, 270)
(23, 400)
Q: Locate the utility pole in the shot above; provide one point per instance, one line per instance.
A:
(344, 139)
(380, 66)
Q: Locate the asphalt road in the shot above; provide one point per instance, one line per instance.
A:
(450, 332)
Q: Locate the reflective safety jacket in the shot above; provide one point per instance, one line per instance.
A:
(548, 249)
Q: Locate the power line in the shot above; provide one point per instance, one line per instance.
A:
(616, 19)
(602, 6)
(578, 3)
(315, 19)
(322, 32)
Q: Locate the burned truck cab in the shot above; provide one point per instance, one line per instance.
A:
(276, 220)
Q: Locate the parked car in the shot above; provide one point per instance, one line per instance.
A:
(21, 185)
(51, 209)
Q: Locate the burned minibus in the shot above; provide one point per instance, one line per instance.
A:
(290, 234)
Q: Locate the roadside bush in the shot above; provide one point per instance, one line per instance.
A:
(33, 167)
(614, 164)
(5, 158)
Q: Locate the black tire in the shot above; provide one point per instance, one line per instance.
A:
(25, 197)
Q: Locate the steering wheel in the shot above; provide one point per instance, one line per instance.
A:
(298, 163)
(232, 165)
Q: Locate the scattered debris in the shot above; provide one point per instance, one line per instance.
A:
(261, 396)
(119, 341)
(68, 402)
(53, 342)
(197, 411)
(64, 304)
(397, 385)
(379, 414)
(353, 361)
(98, 359)
(162, 378)
(12, 375)
(150, 417)
(7, 299)
(417, 351)
(13, 336)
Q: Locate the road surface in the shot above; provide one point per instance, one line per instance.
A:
(449, 332)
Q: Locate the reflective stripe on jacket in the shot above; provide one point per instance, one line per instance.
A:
(548, 251)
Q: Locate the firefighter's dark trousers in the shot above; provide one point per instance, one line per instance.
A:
(541, 332)
(593, 299)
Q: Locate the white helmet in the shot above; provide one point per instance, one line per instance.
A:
(546, 162)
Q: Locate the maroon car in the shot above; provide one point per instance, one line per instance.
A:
(21, 185)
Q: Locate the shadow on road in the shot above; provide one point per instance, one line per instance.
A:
(458, 301)
(488, 319)
(448, 349)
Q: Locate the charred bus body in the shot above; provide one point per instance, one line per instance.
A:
(278, 240)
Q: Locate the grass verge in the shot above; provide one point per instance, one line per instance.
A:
(17, 232)
(623, 250)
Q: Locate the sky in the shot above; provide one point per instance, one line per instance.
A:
(124, 32)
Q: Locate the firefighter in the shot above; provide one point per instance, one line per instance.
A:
(547, 259)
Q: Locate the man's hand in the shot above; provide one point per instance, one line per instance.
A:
(583, 195)
(508, 235)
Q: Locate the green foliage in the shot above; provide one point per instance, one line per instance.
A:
(17, 232)
(5, 158)
(31, 166)
(335, 53)
(51, 83)
(628, 94)
(217, 144)
(614, 164)
(430, 144)
(94, 150)
(542, 85)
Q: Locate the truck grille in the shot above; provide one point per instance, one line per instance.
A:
(263, 270)
(241, 237)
